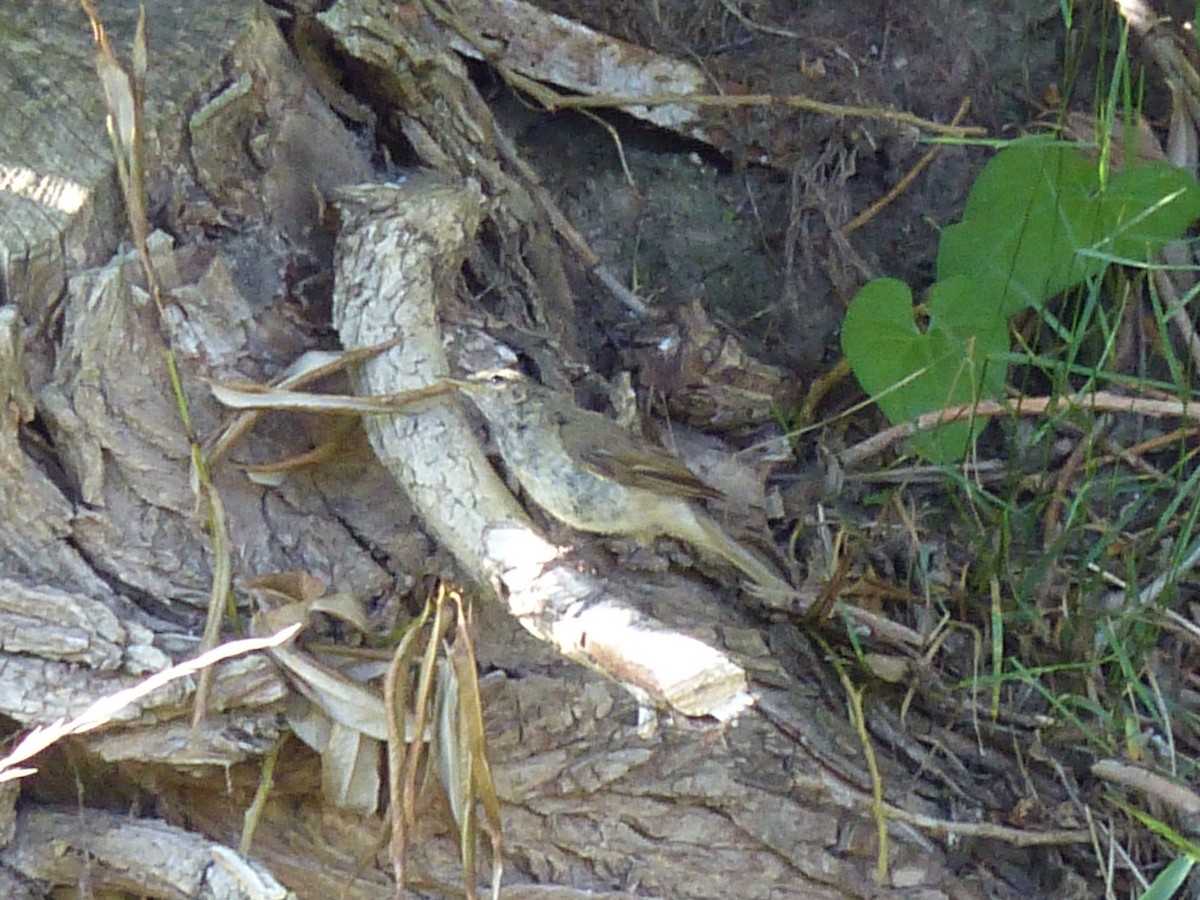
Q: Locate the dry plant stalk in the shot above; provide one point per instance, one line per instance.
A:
(446, 703)
(404, 762)
(439, 705)
(599, 71)
(465, 746)
(125, 94)
(1100, 401)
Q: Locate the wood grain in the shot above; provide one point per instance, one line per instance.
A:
(60, 206)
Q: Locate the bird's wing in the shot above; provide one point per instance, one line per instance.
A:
(631, 460)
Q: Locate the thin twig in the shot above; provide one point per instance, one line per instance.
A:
(902, 185)
(785, 101)
(1101, 401)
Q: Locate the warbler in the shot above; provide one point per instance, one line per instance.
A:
(588, 472)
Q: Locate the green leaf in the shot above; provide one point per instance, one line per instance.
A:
(1038, 205)
(1145, 207)
(1038, 222)
(1170, 879)
(909, 371)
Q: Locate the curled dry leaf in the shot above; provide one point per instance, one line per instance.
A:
(707, 377)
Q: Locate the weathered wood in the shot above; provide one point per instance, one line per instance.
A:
(453, 132)
(60, 207)
(99, 537)
(399, 252)
(110, 853)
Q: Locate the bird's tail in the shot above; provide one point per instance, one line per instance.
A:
(767, 582)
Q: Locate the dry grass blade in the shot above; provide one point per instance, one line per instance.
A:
(253, 399)
(345, 721)
(473, 745)
(454, 766)
(257, 397)
(446, 689)
(350, 769)
(104, 709)
(124, 97)
(422, 704)
(462, 754)
(274, 473)
(344, 700)
(395, 698)
(118, 97)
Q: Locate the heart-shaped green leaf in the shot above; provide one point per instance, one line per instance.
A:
(909, 371)
(1038, 221)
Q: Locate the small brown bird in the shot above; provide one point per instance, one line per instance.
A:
(586, 471)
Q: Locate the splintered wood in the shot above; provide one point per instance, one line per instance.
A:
(399, 252)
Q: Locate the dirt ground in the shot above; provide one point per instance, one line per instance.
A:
(747, 232)
(756, 243)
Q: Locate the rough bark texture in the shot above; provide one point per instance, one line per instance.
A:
(59, 204)
(110, 853)
(399, 252)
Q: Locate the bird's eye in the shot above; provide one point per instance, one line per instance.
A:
(497, 379)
